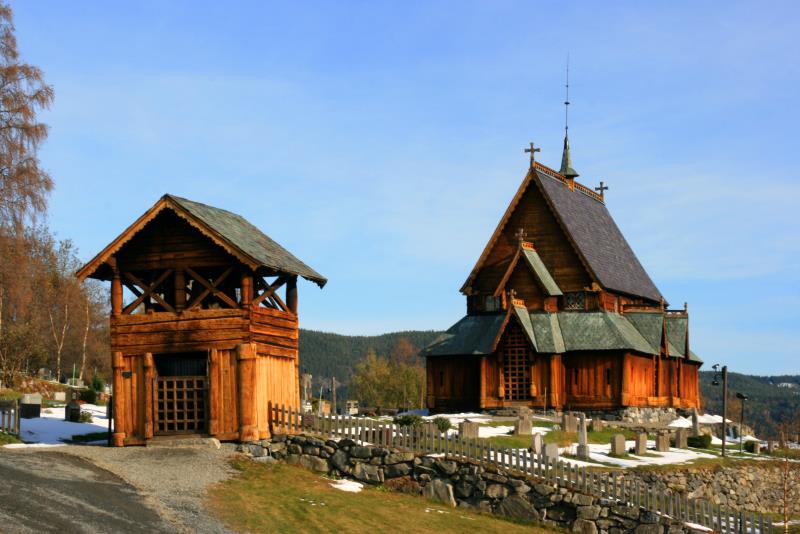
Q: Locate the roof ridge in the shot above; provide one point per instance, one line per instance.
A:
(563, 179)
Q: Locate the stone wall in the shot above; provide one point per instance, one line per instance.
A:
(468, 485)
(754, 487)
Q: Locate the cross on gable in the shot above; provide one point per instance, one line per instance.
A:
(521, 234)
(602, 189)
(532, 150)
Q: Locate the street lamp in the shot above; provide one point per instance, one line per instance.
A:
(742, 397)
(715, 382)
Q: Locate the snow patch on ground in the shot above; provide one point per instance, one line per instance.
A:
(350, 486)
(51, 429)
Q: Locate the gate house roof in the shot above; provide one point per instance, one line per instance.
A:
(229, 230)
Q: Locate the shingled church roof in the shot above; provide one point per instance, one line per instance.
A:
(592, 231)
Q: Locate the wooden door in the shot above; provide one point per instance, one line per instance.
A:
(180, 403)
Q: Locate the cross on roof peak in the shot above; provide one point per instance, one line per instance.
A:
(601, 189)
(532, 150)
(521, 234)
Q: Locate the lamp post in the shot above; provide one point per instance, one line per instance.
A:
(742, 397)
(715, 382)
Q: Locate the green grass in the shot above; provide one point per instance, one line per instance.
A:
(7, 439)
(10, 394)
(284, 498)
(91, 436)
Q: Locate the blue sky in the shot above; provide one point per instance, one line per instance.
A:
(381, 141)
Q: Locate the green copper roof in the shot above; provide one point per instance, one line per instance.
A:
(541, 272)
(548, 332)
(474, 334)
(566, 161)
(524, 319)
(649, 324)
(242, 235)
(694, 357)
(677, 327)
(601, 331)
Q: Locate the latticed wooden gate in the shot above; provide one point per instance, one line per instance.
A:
(180, 404)
(516, 366)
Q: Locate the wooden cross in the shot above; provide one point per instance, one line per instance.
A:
(532, 150)
(602, 189)
(521, 234)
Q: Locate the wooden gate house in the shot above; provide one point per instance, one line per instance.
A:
(201, 340)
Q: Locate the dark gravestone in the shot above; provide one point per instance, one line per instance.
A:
(30, 406)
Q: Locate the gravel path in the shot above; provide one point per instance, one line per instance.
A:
(169, 483)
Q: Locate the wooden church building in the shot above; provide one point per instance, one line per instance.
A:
(561, 314)
(201, 340)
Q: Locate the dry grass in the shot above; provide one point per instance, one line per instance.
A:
(283, 498)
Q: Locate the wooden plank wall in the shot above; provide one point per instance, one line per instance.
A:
(456, 382)
(524, 282)
(587, 380)
(275, 332)
(533, 214)
(170, 332)
(639, 382)
(223, 402)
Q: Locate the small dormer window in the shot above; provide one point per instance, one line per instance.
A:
(574, 301)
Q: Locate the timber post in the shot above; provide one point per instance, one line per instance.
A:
(116, 293)
(291, 294)
(149, 379)
(247, 289)
(213, 392)
(118, 365)
(248, 425)
(180, 290)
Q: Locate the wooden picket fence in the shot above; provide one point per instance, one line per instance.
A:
(9, 417)
(426, 439)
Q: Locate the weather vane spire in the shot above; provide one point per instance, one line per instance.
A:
(566, 158)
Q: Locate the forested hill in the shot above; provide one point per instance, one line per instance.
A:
(768, 405)
(324, 354)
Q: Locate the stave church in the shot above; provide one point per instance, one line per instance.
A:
(561, 314)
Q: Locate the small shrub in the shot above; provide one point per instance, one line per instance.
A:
(442, 423)
(86, 417)
(702, 441)
(408, 419)
(97, 383)
(89, 396)
(750, 446)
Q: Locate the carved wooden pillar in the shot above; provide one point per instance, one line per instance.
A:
(624, 390)
(247, 290)
(248, 424)
(180, 290)
(149, 384)
(484, 368)
(214, 393)
(120, 403)
(291, 294)
(556, 381)
(116, 294)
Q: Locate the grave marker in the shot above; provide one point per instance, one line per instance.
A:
(537, 444)
(583, 442)
(695, 423)
(662, 442)
(618, 445)
(640, 446)
(523, 426)
(681, 438)
(467, 429)
(551, 451)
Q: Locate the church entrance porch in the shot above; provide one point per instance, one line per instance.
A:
(181, 391)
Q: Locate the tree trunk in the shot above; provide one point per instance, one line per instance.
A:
(59, 342)
(85, 337)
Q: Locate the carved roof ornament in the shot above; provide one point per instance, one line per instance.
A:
(602, 188)
(533, 150)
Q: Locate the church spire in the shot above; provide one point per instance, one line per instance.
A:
(566, 159)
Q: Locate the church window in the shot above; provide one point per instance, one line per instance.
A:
(574, 301)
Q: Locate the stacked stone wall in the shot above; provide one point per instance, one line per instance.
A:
(469, 485)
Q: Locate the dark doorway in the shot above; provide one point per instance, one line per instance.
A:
(181, 391)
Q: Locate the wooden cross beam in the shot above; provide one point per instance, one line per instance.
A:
(148, 290)
(270, 291)
(532, 150)
(211, 288)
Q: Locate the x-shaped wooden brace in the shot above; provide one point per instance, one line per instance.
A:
(147, 290)
(270, 292)
(211, 288)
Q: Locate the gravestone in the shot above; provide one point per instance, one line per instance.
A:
(467, 429)
(569, 423)
(618, 445)
(640, 446)
(583, 442)
(523, 426)
(770, 446)
(550, 451)
(662, 442)
(537, 444)
(782, 441)
(30, 406)
(695, 423)
(681, 438)
(597, 425)
(60, 396)
(756, 447)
